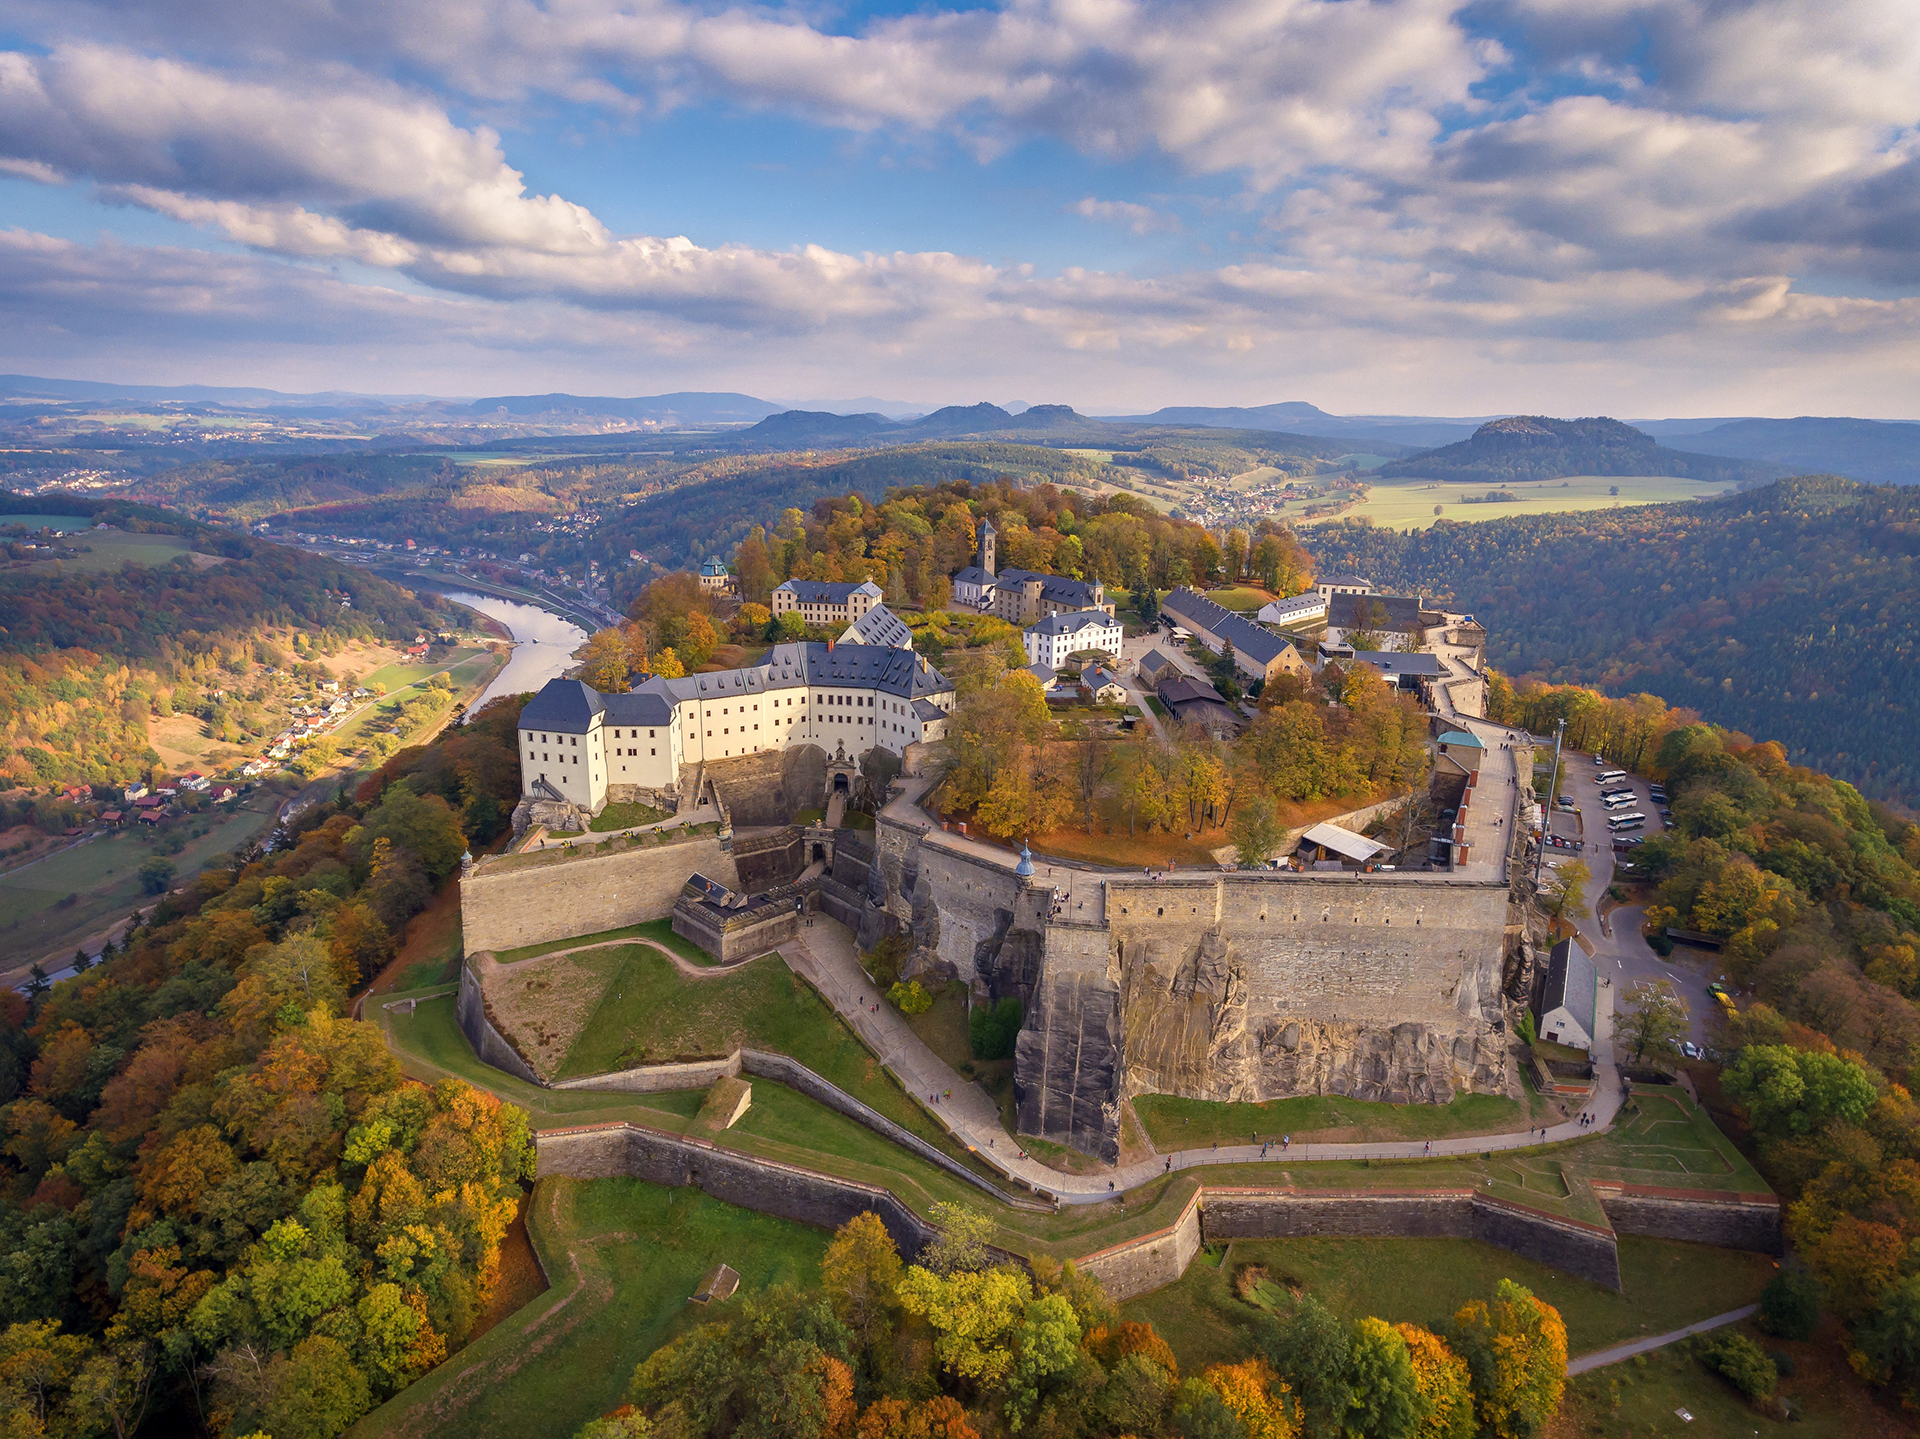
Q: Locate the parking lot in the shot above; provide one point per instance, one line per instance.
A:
(1620, 954)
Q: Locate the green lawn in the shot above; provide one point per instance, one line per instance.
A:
(1240, 598)
(1667, 1284)
(625, 816)
(624, 1257)
(397, 676)
(104, 874)
(1173, 1123)
(1408, 503)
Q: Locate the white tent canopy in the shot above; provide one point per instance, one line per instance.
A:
(1344, 842)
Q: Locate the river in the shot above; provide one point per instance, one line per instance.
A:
(543, 644)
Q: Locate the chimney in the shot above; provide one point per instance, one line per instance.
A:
(829, 644)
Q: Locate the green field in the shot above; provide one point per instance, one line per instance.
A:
(115, 549)
(1173, 1123)
(660, 931)
(1408, 503)
(104, 874)
(623, 1257)
(398, 676)
(1667, 1285)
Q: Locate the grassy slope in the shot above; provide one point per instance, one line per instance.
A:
(623, 1256)
(1667, 1285)
(1173, 1123)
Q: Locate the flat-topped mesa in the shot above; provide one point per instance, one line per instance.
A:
(1242, 986)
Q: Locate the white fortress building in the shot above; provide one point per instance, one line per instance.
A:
(583, 748)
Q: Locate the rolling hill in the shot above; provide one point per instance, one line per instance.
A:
(1875, 451)
(1783, 611)
(1535, 447)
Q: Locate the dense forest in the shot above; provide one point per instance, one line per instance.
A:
(1534, 447)
(86, 656)
(1786, 611)
(251, 489)
(1815, 894)
(223, 1208)
(963, 1342)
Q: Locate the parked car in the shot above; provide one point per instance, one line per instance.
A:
(1565, 801)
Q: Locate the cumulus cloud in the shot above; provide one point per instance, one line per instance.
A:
(1141, 219)
(1535, 178)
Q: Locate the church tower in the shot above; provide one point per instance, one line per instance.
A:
(986, 546)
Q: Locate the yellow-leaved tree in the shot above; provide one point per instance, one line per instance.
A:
(1444, 1383)
(1516, 1351)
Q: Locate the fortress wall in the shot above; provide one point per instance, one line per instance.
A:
(470, 1010)
(612, 1150)
(1578, 1249)
(1366, 950)
(1725, 1222)
(504, 908)
(962, 907)
(1153, 1260)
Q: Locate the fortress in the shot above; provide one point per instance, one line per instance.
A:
(1240, 986)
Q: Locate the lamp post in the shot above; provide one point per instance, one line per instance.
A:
(1546, 815)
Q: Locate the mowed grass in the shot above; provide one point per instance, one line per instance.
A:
(625, 816)
(398, 676)
(1666, 1285)
(624, 1257)
(1401, 504)
(1242, 599)
(1173, 1123)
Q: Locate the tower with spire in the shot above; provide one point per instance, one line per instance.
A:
(987, 534)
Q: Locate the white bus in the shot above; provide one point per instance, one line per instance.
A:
(1632, 819)
(1608, 776)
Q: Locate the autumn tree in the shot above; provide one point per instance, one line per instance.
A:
(1654, 1018)
(605, 661)
(1445, 1385)
(860, 1272)
(1256, 831)
(1515, 1348)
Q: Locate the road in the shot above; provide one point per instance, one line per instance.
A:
(1620, 954)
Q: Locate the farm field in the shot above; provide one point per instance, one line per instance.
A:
(33, 523)
(104, 874)
(1408, 504)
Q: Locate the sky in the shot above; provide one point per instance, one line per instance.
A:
(1632, 207)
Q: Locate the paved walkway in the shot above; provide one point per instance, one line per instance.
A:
(824, 954)
(1601, 1358)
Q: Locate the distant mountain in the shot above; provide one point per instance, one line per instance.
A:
(1300, 418)
(1034, 422)
(811, 430)
(1876, 451)
(684, 407)
(1534, 447)
(37, 387)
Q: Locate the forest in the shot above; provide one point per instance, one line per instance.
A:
(1785, 611)
(87, 656)
(963, 1342)
(1815, 895)
(1534, 447)
(223, 1208)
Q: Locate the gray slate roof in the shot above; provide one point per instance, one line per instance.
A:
(1571, 985)
(1196, 611)
(1054, 589)
(1067, 624)
(1355, 612)
(1422, 665)
(567, 706)
(880, 626)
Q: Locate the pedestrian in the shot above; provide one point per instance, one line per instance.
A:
(1286, 1142)
(1169, 1168)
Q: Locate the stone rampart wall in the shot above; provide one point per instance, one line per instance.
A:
(503, 907)
(614, 1150)
(735, 938)
(1151, 1261)
(1752, 1224)
(766, 858)
(1578, 1249)
(470, 1009)
(962, 907)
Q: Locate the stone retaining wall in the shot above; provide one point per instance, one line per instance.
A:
(1579, 1249)
(470, 1009)
(1153, 1260)
(1747, 1222)
(506, 907)
(606, 1151)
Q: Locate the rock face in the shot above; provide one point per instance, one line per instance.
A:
(1238, 987)
(1193, 1028)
